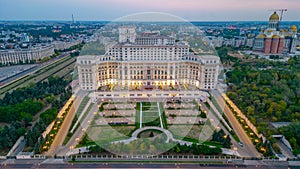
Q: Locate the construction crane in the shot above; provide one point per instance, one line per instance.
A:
(281, 12)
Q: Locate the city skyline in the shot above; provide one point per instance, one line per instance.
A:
(192, 10)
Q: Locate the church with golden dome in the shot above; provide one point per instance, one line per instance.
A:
(276, 41)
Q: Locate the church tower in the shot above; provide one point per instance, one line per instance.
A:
(274, 21)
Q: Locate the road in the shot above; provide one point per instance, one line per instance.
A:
(248, 149)
(64, 129)
(62, 150)
(216, 120)
(32, 70)
(145, 165)
(37, 75)
(79, 133)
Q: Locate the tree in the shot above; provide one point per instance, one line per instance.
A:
(151, 134)
(227, 142)
(27, 118)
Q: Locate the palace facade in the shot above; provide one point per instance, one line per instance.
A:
(147, 59)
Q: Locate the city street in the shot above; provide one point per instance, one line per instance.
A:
(32, 70)
(62, 150)
(145, 165)
(63, 131)
(248, 149)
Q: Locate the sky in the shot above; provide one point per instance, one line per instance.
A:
(107, 10)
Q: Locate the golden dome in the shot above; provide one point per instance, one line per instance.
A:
(261, 36)
(275, 36)
(274, 17)
(293, 28)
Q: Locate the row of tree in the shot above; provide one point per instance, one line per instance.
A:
(38, 91)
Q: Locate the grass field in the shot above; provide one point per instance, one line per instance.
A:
(64, 72)
(150, 114)
(181, 131)
(106, 134)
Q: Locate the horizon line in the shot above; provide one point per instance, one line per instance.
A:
(36, 20)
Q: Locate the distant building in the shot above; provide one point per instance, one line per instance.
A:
(16, 56)
(275, 41)
(46, 39)
(239, 41)
(214, 41)
(249, 42)
(60, 45)
(24, 37)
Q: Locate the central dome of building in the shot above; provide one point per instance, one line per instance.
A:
(274, 16)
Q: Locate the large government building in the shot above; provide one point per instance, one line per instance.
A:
(147, 59)
(276, 41)
(16, 56)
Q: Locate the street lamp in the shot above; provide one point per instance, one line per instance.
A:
(263, 149)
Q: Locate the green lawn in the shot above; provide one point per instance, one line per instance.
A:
(106, 134)
(151, 118)
(189, 131)
(150, 115)
(137, 115)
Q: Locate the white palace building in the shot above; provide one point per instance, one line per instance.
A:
(144, 63)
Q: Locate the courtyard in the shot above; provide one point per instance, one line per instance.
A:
(119, 120)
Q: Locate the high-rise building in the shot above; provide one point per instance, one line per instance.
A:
(276, 41)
